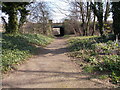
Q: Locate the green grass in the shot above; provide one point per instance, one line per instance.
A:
(17, 48)
(37, 39)
(103, 77)
(88, 68)
(66, 36)
(100, 53)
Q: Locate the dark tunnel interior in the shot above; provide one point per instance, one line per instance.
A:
(61, 32)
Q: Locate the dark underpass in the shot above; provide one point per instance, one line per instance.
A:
(59, 31)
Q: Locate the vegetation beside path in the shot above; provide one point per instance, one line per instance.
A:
(17, 48)
(97, 54)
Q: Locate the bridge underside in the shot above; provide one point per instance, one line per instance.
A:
(61, 30)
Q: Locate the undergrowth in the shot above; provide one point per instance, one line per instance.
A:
(100, 53)
(17, 48)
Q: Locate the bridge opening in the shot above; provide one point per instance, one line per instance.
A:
(58, 31)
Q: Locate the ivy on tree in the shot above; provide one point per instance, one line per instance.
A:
(12, 9)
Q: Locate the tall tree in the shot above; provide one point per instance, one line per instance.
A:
(97, 8)
(11, 9)
(82, 12)
(83, 17)
(23, 14)
(94, 24)
(107, 11)
(75, 17)
(88, 17)
(116, 18)
(40, 14)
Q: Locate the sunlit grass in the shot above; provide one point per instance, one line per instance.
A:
(17, 48)
(101, 54)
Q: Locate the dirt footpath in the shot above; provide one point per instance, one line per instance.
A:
(51, 69)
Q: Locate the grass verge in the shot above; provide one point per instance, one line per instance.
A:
(98, 54)
(17, 48)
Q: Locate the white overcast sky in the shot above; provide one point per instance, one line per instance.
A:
(60, 8)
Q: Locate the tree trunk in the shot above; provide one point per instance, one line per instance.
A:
(12, 23)
(94, 25)
(22, 19)
(5, 25)
(100, 22)
(98, 11)
(116, 18)
(107, 12)
(83, 20)
(88, 18)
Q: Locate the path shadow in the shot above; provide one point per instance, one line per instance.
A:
(43, 51)
(44, 75)
(9, 41)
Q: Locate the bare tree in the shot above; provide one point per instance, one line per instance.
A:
(88, 17)
(99, 10)
(82, 10)
(40, 14)
(107, 11)
(94, 25)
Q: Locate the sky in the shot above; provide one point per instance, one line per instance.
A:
(58, 7)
